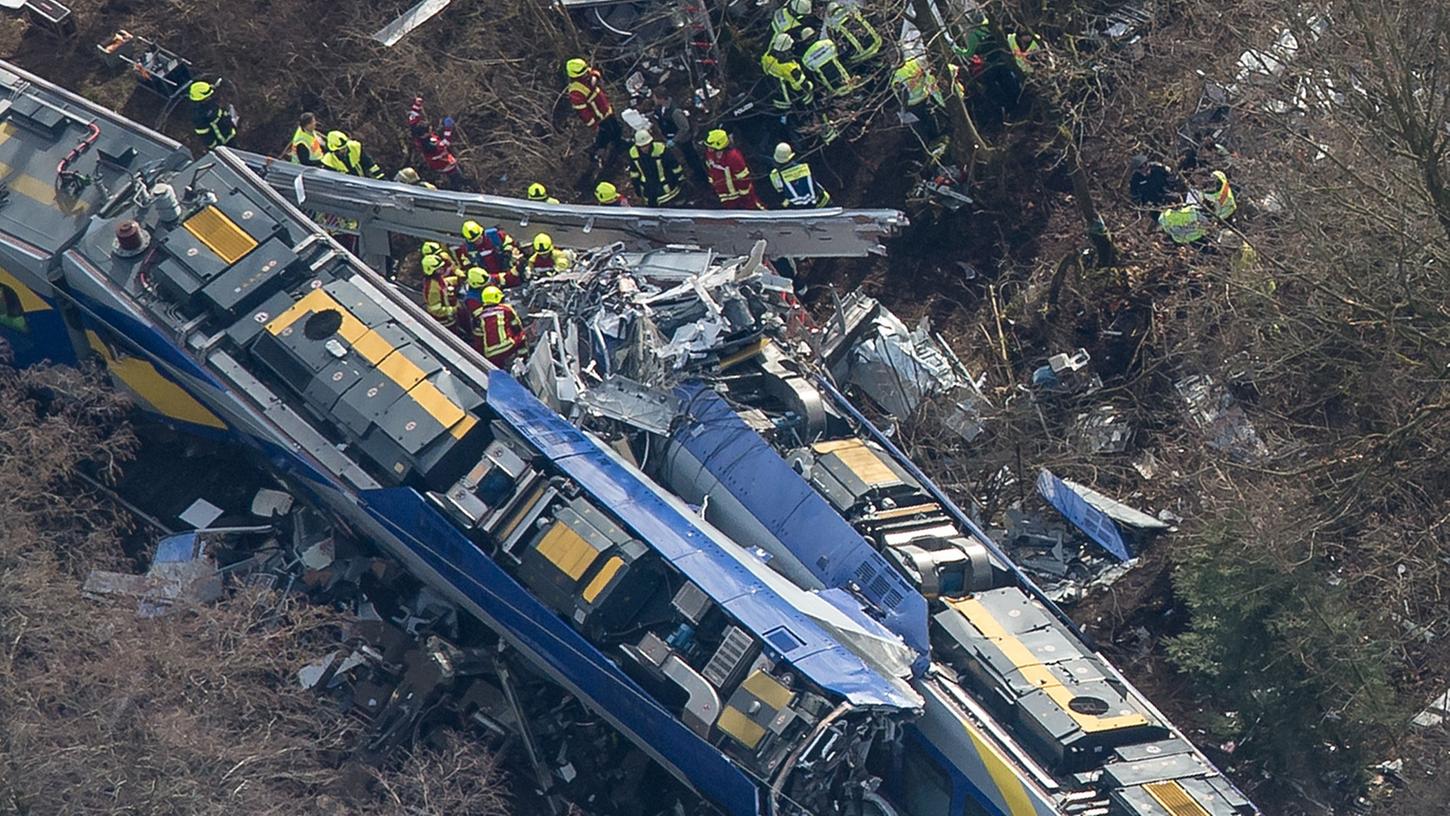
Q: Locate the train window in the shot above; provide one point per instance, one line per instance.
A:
(12, 314)
(927, 789)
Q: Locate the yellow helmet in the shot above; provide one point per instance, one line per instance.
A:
(543, 243)
(538, 192)
(492, 295)
(431, 264)
(478, 278)
(717, 139)
(336, 139)
(431, 248)
(576, 67)
(200, 91)
(606, 193)
(472, 230)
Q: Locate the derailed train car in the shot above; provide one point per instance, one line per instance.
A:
(225, 310)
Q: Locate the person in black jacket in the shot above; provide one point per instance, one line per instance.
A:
(674, 124)
(208, 119)
(1153, 183)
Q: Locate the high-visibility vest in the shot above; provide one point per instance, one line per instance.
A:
(1024, 58)
(783, 21)
(653, 174)
(440, 295)
(916, 82)
(349, 160)
(589, 99)
(793, 87)
(492, 327)
(823, 60)
(795, 182)
(1183, 224)
(860, 38)
(1224, 204)
(311, 141)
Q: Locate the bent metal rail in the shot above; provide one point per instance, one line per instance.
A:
(381, 207)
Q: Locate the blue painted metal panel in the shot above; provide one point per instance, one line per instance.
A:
(1087, 518)
(797, 514)
(40, 338)
(550, 639)
(681, 541)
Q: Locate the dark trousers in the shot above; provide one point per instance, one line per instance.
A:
(692, 159)
(610, 133)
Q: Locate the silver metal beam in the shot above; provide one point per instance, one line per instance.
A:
(436, 215)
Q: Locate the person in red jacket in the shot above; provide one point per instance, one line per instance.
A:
(587, 96)
(498, 333)
(492, 249)
(436, 148)
(729, 175)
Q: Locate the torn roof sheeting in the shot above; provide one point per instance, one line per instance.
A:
(785, 617)
(1098, 526)
(815, 536)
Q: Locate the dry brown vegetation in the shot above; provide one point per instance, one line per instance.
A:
(193, 713)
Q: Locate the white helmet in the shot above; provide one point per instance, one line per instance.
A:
(642, 137)
(782, 42)
(783, 153)
(800, 8)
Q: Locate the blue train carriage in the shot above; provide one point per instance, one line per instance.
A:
(1022, 717)
(223, 308)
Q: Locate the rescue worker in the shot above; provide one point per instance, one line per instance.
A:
(547, 259)
(1222, 202)
(822, 59)
(440, 289)
(793, 15)
(1183, 224)
(674, 124)
(410, 176)
(346, 155)
(498, 334)
(857, 37)
(478, 277)
(921, 96)
(792, 88)
(607, 194)
(306, 147)
(1025, 50)
(492, 249)
(436, 148)
(654, 170)
(729, 174)
(213, 124)
(443, 251)
(792, 178)
(1152, 182)
(587, 96)
(538, 192)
